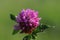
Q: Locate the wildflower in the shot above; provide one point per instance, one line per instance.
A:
(27, 20)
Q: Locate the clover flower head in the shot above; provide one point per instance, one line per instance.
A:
(27, 20)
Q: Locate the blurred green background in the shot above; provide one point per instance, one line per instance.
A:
(49, 10)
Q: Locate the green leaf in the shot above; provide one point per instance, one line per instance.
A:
(34, 33)
(15, 31)
(43, 27)
(33, 37)
(40, 28)
(12, 17)
(28, 37)
(37, 30)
